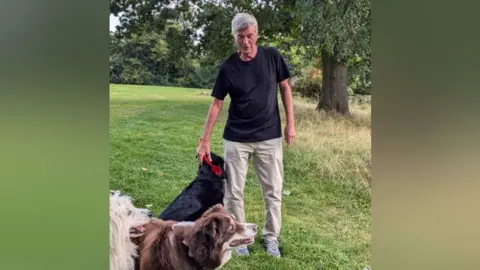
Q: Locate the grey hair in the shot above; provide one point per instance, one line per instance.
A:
(243, 20)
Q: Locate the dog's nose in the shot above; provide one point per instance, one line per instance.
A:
(150, 213)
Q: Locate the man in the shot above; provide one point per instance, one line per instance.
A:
(250, 77)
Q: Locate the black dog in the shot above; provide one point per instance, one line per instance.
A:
(206, 190)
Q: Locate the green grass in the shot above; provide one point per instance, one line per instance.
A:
(326, 216)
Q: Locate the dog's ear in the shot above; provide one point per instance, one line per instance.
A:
(202, 242)
(211, 227)
(200, 246)
(217, 160)
(216, 208)
(180, 226)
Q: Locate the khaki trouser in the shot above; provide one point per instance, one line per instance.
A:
(268, 165)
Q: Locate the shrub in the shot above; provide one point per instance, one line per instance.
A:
(309, 83)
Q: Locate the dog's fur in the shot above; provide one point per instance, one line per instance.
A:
(206, 190)
(206, 243)
(126, 222)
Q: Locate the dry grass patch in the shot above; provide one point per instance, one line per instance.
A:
(338, 149)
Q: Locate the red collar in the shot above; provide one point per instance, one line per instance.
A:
(216, 170)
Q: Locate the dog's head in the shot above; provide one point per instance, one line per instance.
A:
(214, 233)
(125, 217)
(217, 161)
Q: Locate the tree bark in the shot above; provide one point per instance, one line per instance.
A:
(333, 97)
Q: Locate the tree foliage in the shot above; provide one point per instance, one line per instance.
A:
(342, 29)
(162, 58)
(191, 37)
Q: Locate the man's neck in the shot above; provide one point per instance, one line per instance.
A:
(250, 56)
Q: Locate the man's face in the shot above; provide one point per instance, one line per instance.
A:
(246, 39)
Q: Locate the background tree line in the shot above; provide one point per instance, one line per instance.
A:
(326, 43)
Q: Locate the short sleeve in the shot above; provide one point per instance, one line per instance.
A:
(282, 69)
(221, 86)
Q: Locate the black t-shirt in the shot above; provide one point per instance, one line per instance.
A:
(252, 85)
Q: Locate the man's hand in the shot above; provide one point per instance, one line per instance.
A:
(203, 149)
(289, 133)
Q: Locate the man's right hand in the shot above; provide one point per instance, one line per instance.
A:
(203, 149)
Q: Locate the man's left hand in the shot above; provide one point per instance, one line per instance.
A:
(289, 133)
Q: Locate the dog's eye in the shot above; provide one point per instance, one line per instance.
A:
(129, 212)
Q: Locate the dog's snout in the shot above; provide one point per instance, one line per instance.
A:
(150, 213)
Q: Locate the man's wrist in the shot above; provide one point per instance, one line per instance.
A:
(202, 140)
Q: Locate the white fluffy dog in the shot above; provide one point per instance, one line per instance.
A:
(126, 221)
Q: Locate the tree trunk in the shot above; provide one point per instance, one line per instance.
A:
(333, 95)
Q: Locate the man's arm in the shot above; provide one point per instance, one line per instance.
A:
(215, 109)
(285, 90)
(286, 93)
(287, 100)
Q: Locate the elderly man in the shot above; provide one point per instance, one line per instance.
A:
(250, 77)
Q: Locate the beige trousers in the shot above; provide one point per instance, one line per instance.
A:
(268, 165)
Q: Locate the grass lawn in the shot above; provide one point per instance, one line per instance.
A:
(327, 206)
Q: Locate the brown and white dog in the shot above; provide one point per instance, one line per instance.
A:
(126, 223)
(206, 243)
